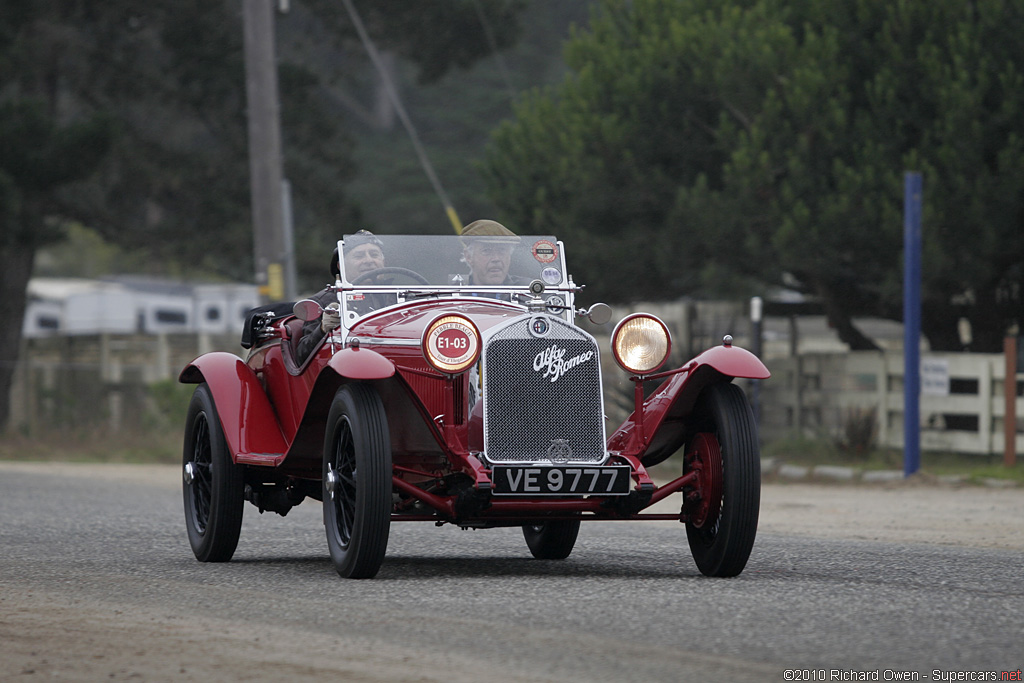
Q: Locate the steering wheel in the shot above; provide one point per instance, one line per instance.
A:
(391, 270)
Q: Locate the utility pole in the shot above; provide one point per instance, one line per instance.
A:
(269, 244)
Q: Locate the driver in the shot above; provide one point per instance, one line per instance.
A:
(363, 254)
(362, 258)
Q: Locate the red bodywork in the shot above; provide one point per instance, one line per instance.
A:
(273, 414)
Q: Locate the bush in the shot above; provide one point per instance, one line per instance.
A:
(169, 401)
(858, 438)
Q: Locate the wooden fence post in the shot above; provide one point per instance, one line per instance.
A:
(1010, 394)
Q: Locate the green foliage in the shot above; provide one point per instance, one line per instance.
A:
(600, 160)
(170, 400)
(129, 118)
(435, 35)
(9, 204)
(157, 93)
(454, 117)
(803, 451)
(970, 467)
(83, 253)
(713, 146)
(41, 155)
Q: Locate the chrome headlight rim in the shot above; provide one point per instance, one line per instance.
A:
(626, 332)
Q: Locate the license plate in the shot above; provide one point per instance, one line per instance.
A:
(508, 480)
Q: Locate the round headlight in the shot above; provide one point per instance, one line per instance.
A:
(641, 343)
(451, 344)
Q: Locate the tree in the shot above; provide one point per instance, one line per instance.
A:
(130, 117)
(599, 160)
(42, 149)
(763, 142)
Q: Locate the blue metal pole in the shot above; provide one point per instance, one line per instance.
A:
(756, 344)
(912, 190)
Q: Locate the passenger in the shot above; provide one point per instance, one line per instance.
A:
(487, 250)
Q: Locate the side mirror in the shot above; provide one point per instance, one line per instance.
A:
(307, 310)
(599, 314)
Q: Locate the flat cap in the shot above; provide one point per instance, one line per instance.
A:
(492, 231)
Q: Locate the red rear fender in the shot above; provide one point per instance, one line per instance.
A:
(250, 425)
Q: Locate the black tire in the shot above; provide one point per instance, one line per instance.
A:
(213, 485)
(552, 540)
(357, 481)
(721, 542)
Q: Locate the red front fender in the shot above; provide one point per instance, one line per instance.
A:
(732, 361)
(250, 425)
(665, 411)
(364, 364)
(352, 363)
(344, 365)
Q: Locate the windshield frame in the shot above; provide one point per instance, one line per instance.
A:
(537, 257)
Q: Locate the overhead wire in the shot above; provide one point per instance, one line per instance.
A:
(403, 116)
(493, 44)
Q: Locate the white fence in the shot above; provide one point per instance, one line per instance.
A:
(85, 380)
(819, 396)
(99, 378)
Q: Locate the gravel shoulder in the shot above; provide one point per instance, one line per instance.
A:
(967, 516)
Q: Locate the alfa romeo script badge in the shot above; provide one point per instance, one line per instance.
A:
(559, 451)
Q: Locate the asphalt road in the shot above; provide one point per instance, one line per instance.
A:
(97, 582)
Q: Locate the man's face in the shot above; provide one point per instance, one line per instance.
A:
(488, 262)
(363, 259)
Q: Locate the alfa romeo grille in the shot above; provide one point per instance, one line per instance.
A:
(542, 393)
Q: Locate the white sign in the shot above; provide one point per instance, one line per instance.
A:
(935, 376)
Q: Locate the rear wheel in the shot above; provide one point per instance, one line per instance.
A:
(212, 486)
(722, 521)
(552, 540)
(357, 481)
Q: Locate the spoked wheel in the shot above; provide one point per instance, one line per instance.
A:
(212, 486)
(552, 540)
(722, 520)
(357, 481)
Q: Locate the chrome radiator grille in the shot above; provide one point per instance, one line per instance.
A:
(542, 393)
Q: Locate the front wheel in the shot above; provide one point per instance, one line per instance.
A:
(213, 484)
(552, 540)
(357, 481)
(722, 515)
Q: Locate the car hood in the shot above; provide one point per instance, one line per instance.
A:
(409, 321)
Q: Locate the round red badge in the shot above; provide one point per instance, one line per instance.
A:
(545, 251)
(451, 344)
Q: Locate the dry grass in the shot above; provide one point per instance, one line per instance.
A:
(95, 445)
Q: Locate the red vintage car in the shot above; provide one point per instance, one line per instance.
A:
(444, 397)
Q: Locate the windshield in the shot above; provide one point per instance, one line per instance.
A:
(383, 270)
